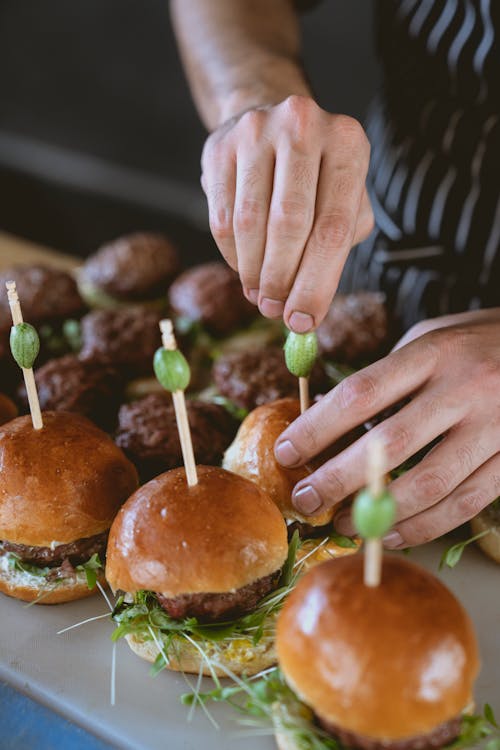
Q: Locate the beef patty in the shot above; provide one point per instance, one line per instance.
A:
(442, 735)
(76, 552)
(219, 607)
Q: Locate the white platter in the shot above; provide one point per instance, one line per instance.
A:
(71, 672)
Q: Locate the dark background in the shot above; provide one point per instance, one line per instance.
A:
(98, 134)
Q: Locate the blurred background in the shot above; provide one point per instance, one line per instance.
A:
(98, 134)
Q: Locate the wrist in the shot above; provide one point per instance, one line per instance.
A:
(283, 79)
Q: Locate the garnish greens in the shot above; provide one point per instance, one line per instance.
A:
(90, 569)
(452, 555)
(145, 618)
(266, 699)
(347, 542)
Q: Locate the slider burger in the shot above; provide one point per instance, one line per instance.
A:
(199, 569)
(60, 488)
(384, 668)
(251, 455)
(487, 523)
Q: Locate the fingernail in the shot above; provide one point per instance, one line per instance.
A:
(393, 540)
(286, 453)
(343, 522)
(306, 499)
(273, 308)
(300, 322)
(253, 296)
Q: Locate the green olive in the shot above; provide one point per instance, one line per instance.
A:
(24, 344)
(373, 517)
(171, 369)
(301, 350)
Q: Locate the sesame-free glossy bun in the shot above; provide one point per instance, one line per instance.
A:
(217, 536)
(251, 455)
(8, 409)
(61, 483)
(388, 662)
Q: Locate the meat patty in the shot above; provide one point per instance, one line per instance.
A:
(69, 384)
(76, 552)
(136, 266)
(147, 433)
(355, 327)
(307, 531)
(442, 735)
(47, 295)
(258, 376)
(220, 607)
(125, 338)
(211, 294)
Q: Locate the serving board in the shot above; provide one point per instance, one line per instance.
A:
(71, 672)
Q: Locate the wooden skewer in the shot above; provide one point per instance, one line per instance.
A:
(169, 343)
(29, 378)
(304, 394)
(373, 547)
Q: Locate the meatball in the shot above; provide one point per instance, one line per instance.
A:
(134, 267)
(147, 433)
(258, 376)
(126, 338)
(355, 328)
(47, 295)
(211, 294)
(68, 384)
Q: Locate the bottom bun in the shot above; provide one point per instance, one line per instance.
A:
(46, 593)
(233, 656)
(488, 520)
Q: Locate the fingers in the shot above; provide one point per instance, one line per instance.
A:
(365, 221)
(463, 450)
(338, 202)
(357, 398)
(219, 183)
(254, 184)
(465, 502)
(401, 436)
(290, 220)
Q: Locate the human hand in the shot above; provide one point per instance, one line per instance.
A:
(287, 200)
(450, 367)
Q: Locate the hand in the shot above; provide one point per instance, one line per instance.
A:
(287, 201)
(450, 367)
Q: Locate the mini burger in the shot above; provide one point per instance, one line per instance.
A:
(60, 488)
(487, 524)
(251, 455)
(201, 571)
(385, 668)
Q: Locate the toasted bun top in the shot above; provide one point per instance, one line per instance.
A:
(217, 536)
(61, 483)
(388, 662)
(8, 409)
(252, 456)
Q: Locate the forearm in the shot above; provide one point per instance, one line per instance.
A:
(238, 54)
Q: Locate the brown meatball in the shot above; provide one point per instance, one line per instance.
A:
(47, 295)
(258, 376)
(136, 266)
(211, 294)
(355, 327)
(68, 384)
(126, 339)
(147, 433)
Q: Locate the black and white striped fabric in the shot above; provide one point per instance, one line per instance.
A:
(435, 168)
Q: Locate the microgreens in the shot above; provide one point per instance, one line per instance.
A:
(266, 699)
(452, 555)
(90, 569)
